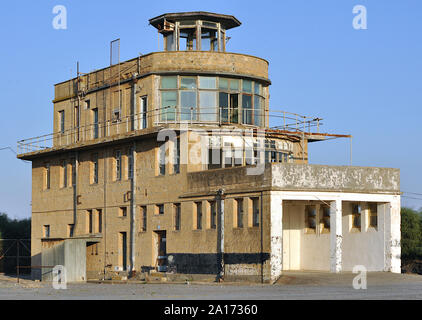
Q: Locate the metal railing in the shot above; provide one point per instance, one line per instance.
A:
(169, 115)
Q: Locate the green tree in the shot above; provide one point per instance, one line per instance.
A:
(411, 237)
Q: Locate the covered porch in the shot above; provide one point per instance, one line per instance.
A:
(334, 231)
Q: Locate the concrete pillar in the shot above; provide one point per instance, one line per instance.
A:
(392, 219)
(336, 236)
(276, 227)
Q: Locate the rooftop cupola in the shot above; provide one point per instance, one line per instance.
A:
(194, 31)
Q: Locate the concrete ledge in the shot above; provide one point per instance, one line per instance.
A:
(335, 178)
(298, 177)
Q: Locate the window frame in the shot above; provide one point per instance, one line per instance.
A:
(309, 229)
(240, 212)
(356, 216)
(198, 223)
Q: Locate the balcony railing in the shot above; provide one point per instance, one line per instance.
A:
(170, 115)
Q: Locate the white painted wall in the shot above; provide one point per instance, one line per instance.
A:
(365, 247)
(292, 230)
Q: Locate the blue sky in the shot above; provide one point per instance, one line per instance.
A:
(361, 82)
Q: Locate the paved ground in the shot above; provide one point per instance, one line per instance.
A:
(309, 285)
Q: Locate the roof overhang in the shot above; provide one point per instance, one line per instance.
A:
(227, 21)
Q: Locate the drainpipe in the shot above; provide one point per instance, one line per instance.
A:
(262, 242)
(75, 191)
(220, 246)
(133, 188)
(133, 212)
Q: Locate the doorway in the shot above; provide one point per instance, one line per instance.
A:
(123, 251)
(161, 251)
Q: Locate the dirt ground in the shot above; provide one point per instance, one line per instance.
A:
(292, 285)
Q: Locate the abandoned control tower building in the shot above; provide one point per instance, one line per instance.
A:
(175, 163)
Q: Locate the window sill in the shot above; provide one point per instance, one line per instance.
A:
(310, 231)
(355, 230)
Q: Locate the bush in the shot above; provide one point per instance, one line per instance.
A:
(411, 238)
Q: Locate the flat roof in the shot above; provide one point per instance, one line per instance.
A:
(227, 21)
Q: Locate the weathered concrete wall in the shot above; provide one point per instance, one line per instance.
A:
(335, 178)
